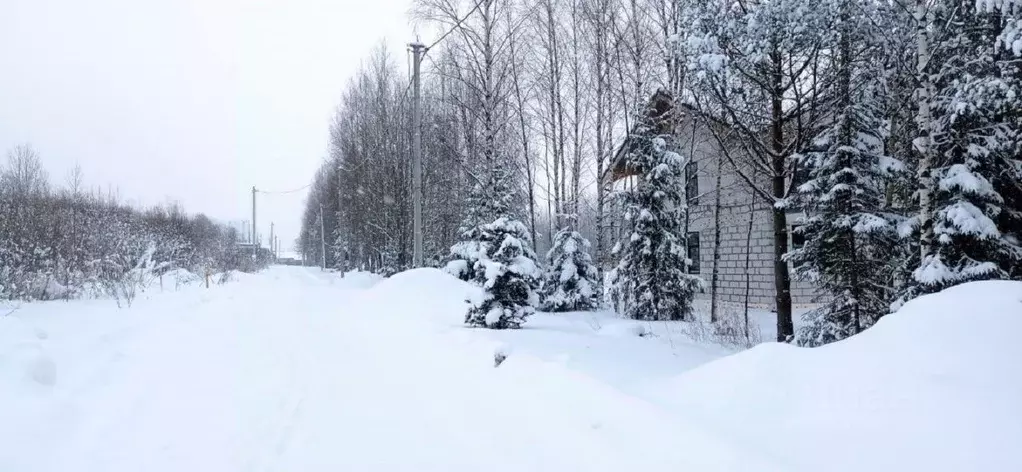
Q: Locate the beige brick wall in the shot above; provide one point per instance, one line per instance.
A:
(737, 206)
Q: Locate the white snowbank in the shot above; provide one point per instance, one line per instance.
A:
(568, 376)
(360, 279)
(423, 293)
(424, 281)
(936, 386)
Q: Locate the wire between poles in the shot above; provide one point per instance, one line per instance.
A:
(456, 25)
(285, 191)
(447, 33)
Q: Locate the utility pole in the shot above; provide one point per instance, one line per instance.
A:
(273, 254)
(418, 50)
(255, 242)
(322, 237)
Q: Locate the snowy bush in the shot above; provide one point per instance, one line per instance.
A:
(177, 278)
(571, 281)
(126, 286)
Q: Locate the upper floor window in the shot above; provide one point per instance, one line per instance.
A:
(692, 182)
(798, 239)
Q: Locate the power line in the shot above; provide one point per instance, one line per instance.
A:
(456, 25)
(286, 191)
(443, 36)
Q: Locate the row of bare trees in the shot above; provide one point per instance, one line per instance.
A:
(549, 87)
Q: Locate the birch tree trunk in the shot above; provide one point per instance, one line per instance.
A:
(530, 176)
(715, 276)
(924, 18)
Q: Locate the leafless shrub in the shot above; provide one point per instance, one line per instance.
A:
(731, 329)
(225, 276)
(126, 286)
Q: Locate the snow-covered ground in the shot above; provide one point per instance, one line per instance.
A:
(294, 369)
(935, 386)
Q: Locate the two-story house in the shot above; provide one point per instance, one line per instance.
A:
(745, 265)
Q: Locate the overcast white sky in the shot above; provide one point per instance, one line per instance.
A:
(192, 101)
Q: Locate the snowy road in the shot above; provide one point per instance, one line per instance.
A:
(295, 370)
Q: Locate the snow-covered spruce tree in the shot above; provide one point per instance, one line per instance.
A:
(571, 281)
(483, 205)
(971, 185)
(497, 255)
(850, 238)
(508, 273)
(650, 280)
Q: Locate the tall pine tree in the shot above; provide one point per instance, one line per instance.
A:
(651, 279)
(850, 238)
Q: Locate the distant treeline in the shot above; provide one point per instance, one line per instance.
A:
(68, 242)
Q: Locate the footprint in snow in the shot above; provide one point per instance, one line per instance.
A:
(42, 370)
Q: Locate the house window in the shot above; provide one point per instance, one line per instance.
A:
(798, 240)
(692, 182)
(799, 175)
(693, 252)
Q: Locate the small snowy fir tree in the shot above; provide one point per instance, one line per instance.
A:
(497, 255)
(571, 281)
(389, 263)
(651, 280)
(974, 184)
(850, 238)
(508, 274)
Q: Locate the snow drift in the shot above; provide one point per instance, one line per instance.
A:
(422, 294)
(552, 381)
(360, 279)
(934, 386)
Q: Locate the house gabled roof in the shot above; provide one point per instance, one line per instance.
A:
(658, 110)
(660, 104)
